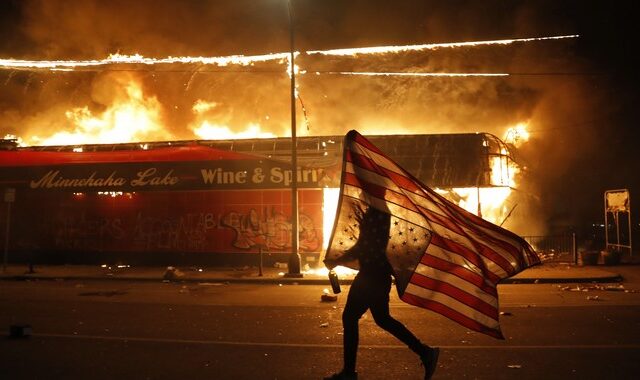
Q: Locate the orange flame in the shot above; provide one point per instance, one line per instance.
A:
(132, 116)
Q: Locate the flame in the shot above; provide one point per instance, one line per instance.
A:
(517, 135)
(243, 60)
(137, 59)
(421, 47)
(211, 131)
(491, 204)
(131, 117)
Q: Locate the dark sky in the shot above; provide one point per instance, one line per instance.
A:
(579, 95)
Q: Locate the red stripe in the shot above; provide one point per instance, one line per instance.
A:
(358, 138)
(456, 293)
(441, 220)
(364, 162)
(381, 192)
(483, 250)
(462, 217)
(451, 314)
(459, 271)
(457, 248)
(368, 163)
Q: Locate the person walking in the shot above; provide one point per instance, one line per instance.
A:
(370, 291)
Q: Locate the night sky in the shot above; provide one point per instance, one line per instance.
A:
(578, 95)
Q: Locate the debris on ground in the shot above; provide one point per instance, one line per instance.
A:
(506, 313)
(515, 366)
(172, 273)
(325, 324)
(593, 298)
(596, 287)
(326, 297)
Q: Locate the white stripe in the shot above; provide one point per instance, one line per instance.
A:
(381, 204)
(372, 177)
(457, 282)
(379, 159)
(453, 258)
(452, 303)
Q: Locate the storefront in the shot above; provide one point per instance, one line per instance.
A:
(189, 204)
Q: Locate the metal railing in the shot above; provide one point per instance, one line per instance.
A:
(555, 248)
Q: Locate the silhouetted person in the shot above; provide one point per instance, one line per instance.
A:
(370, 290)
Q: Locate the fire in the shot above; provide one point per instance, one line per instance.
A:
(131, 116)
(488, 202)
(406, 48)
(211, 131)
(517, 135)
(137, 59)
(242, 60)
(208, 130)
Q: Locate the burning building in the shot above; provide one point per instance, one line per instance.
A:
(216, 201)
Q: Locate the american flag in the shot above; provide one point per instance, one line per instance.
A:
(443, 257)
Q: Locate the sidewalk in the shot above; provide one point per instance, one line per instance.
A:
(545, 273)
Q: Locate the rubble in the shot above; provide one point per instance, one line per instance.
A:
(172, 273)
(326, 297)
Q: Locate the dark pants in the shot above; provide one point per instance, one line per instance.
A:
(371, 291)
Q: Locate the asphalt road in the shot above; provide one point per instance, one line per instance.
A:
(135, 330)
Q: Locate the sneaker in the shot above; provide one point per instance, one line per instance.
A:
(343, 376)
(430, 361)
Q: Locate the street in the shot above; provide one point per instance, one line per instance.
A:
(155, 330)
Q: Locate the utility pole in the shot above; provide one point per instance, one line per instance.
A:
(294, 258)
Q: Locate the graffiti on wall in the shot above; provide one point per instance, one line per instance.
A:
(272, 231)
(83, 232)
(194, 232)
(187, 232)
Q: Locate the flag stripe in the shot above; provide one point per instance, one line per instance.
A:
(458, 249)
(451, 314)
(397, 176)
(452, 303)
(380, 191)
(463, 273)
(447, 288)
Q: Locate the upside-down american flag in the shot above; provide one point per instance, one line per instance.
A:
(444, 258)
